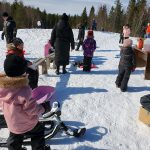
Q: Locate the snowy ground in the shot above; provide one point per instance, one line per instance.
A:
(91, 99)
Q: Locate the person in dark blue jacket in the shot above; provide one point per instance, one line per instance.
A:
(9, 28)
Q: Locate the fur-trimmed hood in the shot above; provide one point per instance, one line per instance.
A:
(13, 82)
(11, 88)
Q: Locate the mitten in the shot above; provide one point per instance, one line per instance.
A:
(46, 106)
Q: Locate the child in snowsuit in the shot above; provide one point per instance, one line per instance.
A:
(21, 112)
(89, 46)
(16, 47)
(126, 65)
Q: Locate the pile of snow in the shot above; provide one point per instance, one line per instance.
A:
(91, 99)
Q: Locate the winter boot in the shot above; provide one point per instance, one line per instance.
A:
(64, 69)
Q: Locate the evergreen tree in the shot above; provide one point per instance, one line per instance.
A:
(84, 18)
(131, 12)
(91, 16)
(111, 19)
(118, 15)
(140, 15)
(102, 17)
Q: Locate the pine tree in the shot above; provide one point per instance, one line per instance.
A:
(111, 19)
(131, 12)
(84, 18)
(140, 15)
(102, 17)
(118, 16)
(91, 16)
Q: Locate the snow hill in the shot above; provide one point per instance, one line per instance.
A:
(91, 99)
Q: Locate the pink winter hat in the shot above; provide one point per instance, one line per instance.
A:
(127, 43)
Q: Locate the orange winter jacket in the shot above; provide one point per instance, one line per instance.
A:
(148, 29)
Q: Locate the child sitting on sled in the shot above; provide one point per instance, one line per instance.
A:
(21, 112)
(126, 65)
(16, 47)
(89, 46)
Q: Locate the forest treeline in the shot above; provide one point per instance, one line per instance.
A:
(137, 15)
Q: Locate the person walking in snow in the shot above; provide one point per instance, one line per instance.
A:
(61, 38)
(89, 46)
(126, 65)
(9, 29)
(94, 25)
(81, 35)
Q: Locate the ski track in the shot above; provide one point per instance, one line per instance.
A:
(91, 99)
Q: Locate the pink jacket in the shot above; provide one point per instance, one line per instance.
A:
(126, 32)
(21, 112)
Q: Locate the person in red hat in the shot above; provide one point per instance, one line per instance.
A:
(89, 46)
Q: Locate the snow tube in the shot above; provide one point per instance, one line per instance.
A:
(92, 66)
(43, 93)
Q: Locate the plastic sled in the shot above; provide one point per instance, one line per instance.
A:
(92, 66)
(47, 49)
(43, 93)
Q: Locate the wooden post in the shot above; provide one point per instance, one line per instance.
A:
(44, 67)
(48, 62)
(147, 68)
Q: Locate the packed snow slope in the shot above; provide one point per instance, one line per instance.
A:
(92, 100)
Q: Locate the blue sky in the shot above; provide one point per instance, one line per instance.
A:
(69, 6)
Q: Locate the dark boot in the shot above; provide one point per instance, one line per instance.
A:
(64, 69)
(47, 147)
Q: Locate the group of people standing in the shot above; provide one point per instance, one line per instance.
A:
(21, 112)
(61, 39)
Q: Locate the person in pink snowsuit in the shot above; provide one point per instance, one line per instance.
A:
(21, 112)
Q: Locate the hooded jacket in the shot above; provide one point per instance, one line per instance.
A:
(61, 38)
(21, 112)
(89, 46)
(127, 57)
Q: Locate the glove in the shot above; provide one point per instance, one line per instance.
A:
(46, 106)
(2, 36)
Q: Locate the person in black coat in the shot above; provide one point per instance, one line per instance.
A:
(61, 38)
(126, 65)
(9, 29)
(81, 35)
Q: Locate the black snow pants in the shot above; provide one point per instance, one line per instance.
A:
(123, 77)
(33, 77)
(15, 141)
(145, 102)
(87, 63)
(79, 44)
